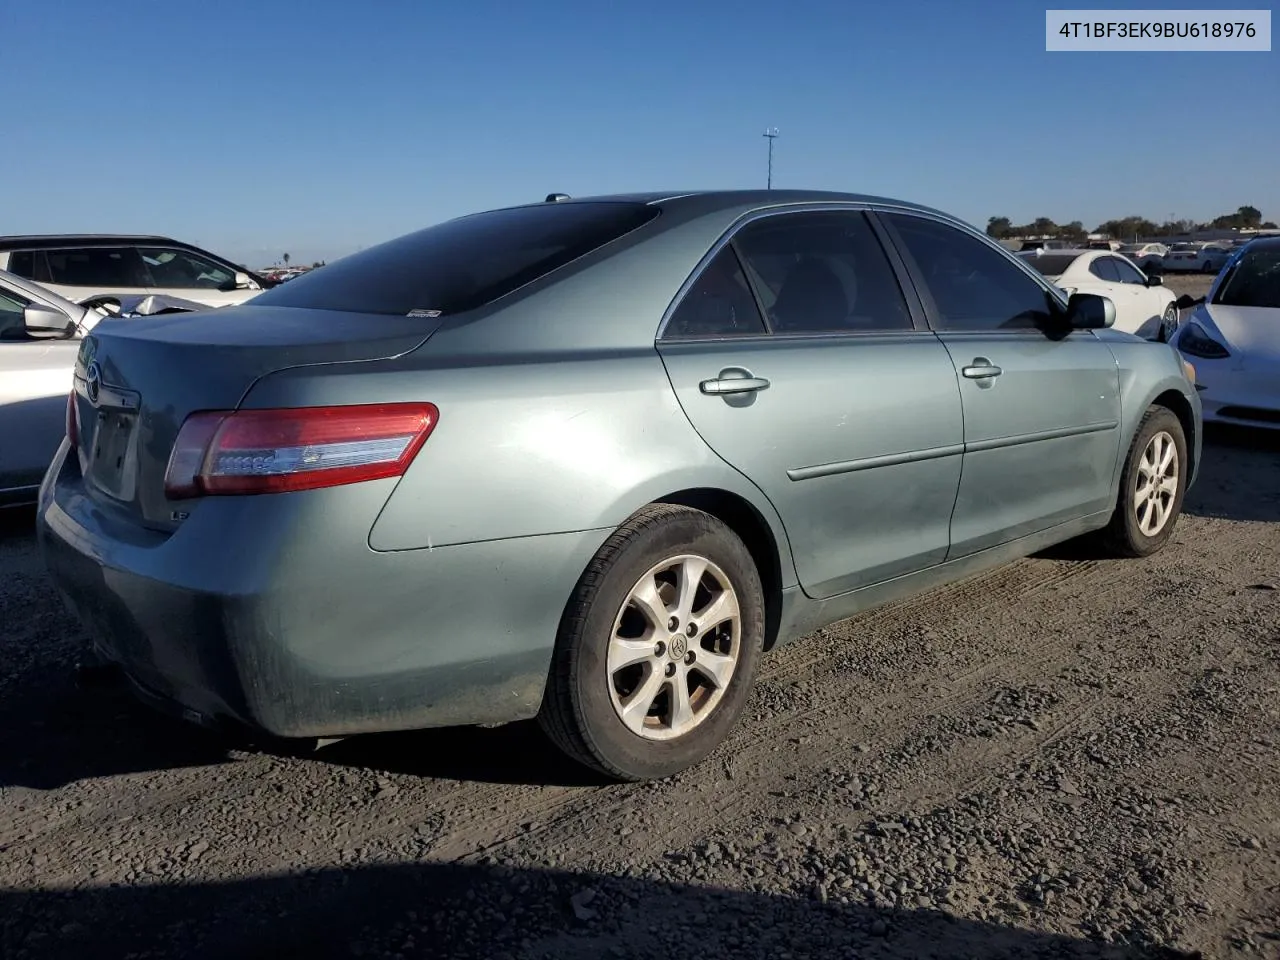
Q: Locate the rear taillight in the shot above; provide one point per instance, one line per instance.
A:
(302, 448)
(73, 420)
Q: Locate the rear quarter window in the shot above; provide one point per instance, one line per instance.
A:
(462, 264)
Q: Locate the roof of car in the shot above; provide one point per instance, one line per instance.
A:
(42, 241)
(710, 201)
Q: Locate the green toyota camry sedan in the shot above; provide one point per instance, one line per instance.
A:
(586, 460)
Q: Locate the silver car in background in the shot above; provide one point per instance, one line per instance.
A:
(585, 460)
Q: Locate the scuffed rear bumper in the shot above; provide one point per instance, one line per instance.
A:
(252, 612)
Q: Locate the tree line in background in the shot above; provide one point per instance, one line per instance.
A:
(1245, 218)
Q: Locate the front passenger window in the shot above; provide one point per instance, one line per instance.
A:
(973, 286)
(1127, 273)
(182, 270)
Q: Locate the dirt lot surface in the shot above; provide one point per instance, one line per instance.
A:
(1067, 757)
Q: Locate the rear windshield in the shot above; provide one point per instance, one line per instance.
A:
(1051, 265)
(1254, 280)
(461, 264)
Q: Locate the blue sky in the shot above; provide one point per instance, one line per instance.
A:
(317, 127)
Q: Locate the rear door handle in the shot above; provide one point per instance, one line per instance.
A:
(727, 385)
(981, 369)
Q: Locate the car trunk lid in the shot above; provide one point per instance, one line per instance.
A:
(137, 380)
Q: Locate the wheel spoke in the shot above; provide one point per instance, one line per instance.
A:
(1144, 516)
(636, 706)
(1169, 485)
(626, 652)
(1157, 515)
(1167, 452)
(716, 667)
(691, 572)
(648, 601)
(681, 708)
(723, 607)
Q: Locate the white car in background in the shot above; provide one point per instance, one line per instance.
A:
(1233, 339)
(1144, 306)
(1197, 258)
(40, 334)
(80, 266)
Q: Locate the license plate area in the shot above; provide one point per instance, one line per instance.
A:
(113, 460)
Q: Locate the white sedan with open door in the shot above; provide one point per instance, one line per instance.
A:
(1144, 306)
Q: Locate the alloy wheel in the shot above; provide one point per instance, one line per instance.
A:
(674, 648)
(1156, 486)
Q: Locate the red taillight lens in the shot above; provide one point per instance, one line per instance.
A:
(73, 420)
(303, 448)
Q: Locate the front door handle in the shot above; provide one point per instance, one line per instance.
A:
(981, 369)
(724, 385)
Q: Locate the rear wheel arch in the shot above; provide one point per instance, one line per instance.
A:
(742, 517)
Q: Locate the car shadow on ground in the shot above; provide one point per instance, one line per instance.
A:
(1239, 477)
(53, 732)
(516, 753)
(460, 911)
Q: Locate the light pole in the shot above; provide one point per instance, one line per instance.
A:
(770, 134)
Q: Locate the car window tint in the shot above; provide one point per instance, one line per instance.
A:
(822, 273)
(102, 267)
(462, 264)
(1128, 273)
(1051, 265)
(181, 269)
(22, 263)
(719, 304)
(13, 325)
(973, 286)
(1104, 269)
(1253, 280)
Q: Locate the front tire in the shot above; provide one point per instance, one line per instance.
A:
(1152, 486)
(658, 646)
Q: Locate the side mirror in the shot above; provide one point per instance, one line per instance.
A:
(1088, 311)
(1155, 280)
(46, 322)
(245, 282)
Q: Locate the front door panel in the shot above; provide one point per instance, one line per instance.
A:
(1041, 436)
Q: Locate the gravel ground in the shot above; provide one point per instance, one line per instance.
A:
(1067, 757)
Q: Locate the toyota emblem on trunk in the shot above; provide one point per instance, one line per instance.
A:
(93, 382)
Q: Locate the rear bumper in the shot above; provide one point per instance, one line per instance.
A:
(253, 613)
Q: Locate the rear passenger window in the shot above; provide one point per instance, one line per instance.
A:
(973, 286)
(1104, 268)
(22, 263)
(102, 267)
(719, 304)
(822, 273)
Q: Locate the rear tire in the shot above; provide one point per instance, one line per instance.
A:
(613, 699)
(1152, 486)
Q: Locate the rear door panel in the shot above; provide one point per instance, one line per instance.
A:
(856, 442)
